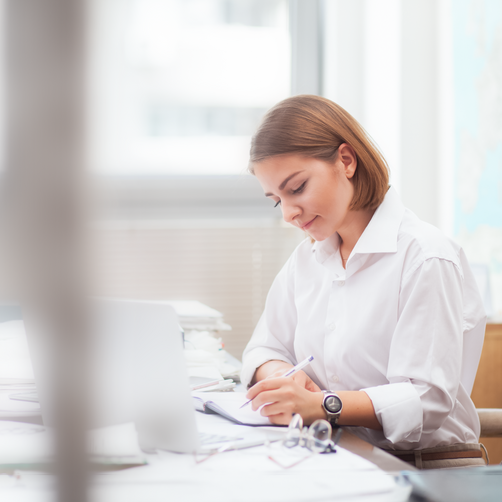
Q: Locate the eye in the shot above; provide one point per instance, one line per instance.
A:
(300, 188)
(277, 203)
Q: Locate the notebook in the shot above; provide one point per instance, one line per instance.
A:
(227, 404)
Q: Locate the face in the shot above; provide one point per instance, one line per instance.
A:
(314, 195)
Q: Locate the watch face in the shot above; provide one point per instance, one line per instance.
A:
(333, 404)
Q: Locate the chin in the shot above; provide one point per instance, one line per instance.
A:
(317, 236)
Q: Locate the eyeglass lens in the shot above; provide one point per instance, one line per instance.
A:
(318, 436)
(294, 432)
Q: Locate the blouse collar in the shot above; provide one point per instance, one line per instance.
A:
(380, 235)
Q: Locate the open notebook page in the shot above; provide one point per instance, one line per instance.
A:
(227, 404)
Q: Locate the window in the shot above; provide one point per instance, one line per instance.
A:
(179, 86)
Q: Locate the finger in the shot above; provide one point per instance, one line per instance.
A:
(264, 385)
(280, 419)
(266, 397)
(277, 374)
(288, 392)
(312, 387)
(276, 409)
(301, 378)
(306, 382)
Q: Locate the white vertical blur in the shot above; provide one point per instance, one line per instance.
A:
(2, 88)
(344, 55)
(306, 47)
(42, 209)
(362, 69)
(446, 133)
(382, 80)
(389, 63)
(419, 111)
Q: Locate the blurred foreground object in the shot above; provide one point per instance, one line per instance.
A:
(42, 205)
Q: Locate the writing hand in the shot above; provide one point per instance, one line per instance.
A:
(282, 397)
(301, 378)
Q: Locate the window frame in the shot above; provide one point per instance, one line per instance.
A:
(219, 196)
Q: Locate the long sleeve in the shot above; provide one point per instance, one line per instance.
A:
(274, 334)
(402, 321)
(425, 358)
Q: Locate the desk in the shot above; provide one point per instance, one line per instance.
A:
(230, 476)
(349, 441)
(377, 456)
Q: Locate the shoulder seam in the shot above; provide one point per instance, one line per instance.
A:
(419, 262)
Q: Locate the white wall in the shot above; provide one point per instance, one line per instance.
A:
(386, 63)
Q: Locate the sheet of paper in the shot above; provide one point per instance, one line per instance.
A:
(115, 441)
(23, 443)
(230, 403)
(26, 443)
(10, 408)
(249, 475)
(15, 363)
(289, 486)
(243, 475)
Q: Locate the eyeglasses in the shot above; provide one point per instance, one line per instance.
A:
(316, 438)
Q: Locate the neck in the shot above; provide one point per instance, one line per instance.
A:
(352, 229)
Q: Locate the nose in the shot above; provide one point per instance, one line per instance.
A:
(289, 212)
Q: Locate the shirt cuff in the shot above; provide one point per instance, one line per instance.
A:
(255, 359)
(399, 410)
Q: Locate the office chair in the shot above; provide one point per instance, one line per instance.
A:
(491, 422)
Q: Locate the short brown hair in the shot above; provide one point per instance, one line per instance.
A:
(312, 126)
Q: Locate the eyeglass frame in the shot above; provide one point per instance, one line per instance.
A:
(330, 447)
(306, 436)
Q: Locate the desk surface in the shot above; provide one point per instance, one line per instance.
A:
(349, 441)
(377, 456)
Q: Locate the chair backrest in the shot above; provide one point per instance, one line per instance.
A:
(491, 422)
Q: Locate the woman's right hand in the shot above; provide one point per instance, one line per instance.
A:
(276, 369)
(301, 378)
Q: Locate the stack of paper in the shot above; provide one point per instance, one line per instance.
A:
(16, 372)
(15, 365)
(196, 315)
(204, 352)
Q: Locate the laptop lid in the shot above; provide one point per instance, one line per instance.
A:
(137, 373)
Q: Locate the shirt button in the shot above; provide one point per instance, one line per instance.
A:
(341, 283)
(332, 326)
(335, 379)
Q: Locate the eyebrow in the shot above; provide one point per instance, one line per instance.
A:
(285, 182)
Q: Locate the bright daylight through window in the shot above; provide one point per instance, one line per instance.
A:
(179, 86)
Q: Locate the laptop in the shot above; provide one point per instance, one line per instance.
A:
(138, 374)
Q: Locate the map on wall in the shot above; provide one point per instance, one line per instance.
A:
(477, 48)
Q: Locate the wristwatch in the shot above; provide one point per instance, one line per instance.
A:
(332, 405)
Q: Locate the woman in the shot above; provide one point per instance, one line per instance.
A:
(384, 302)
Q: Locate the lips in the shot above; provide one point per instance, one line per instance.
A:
(308, 224)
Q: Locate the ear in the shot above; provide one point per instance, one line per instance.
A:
(347, 156)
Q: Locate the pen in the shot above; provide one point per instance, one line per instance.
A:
(290, 372)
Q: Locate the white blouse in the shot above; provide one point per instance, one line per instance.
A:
(404, 322)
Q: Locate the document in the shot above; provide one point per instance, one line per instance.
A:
(28, 446)
(16, 371)
(227, 404)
